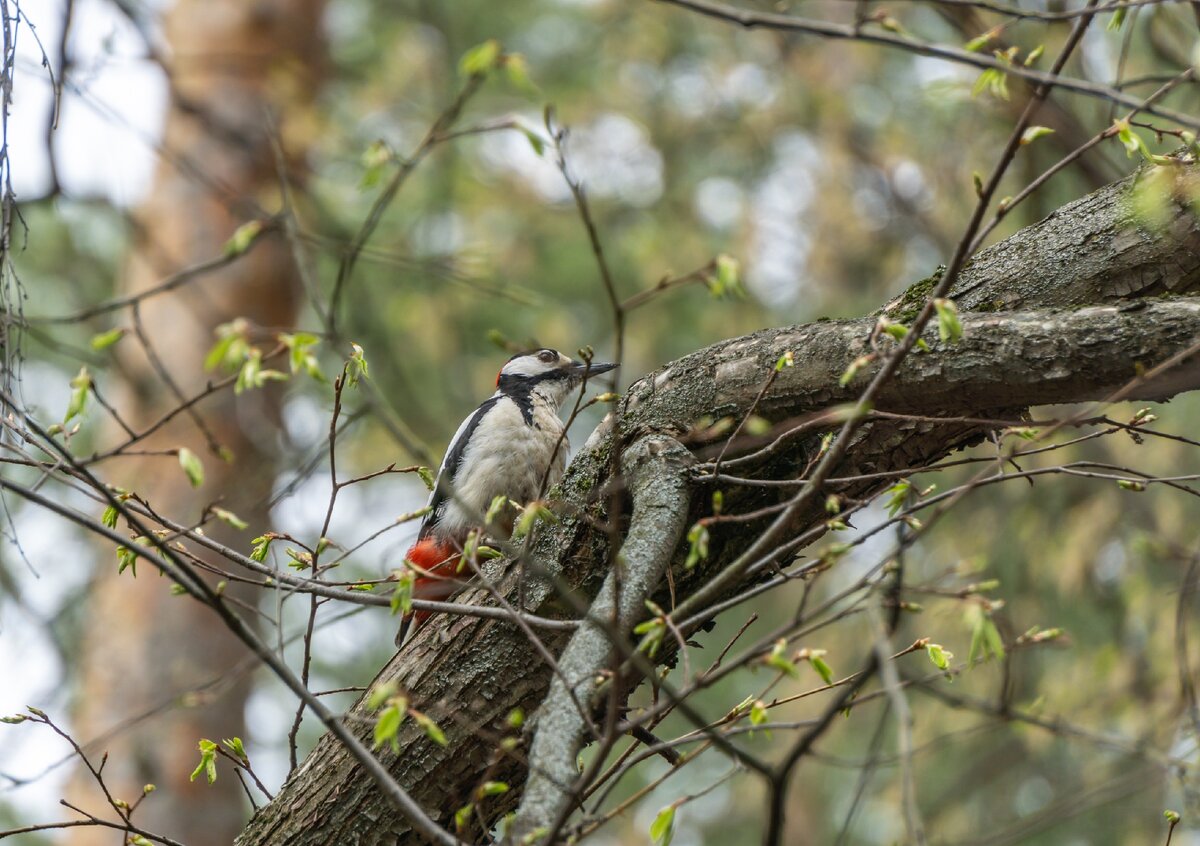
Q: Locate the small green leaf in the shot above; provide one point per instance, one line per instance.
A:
(243, 237)
(109, 517)
(480, 59)
(374, 160)
(106, 339)
(898, 496)
(939, 655)
(780, 661)
(81, 386)
(228, 517)
(1172, 817)
(985, 637)
(980, 41)
(208, 761)
(698, 549)
(1035, 54)
(262, 544)
(427, 477)
(663, 827)
(463, 816)
(517, 71)
(402, 596)
(431, 729)
(381, 693)
(387, 727)
(234, 745)
(818, 663)
(192, 467)
(854, 367)
(1117, 19)
(1033, 133)
(788, 359)
(356, 365)
(1130, 485)
(949, 326)
(758, 713)
(538, 145)
(491, 788)
(728, 278)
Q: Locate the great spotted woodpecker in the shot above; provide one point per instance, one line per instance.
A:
(513, 445)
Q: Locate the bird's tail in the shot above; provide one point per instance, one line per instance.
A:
(434, 560)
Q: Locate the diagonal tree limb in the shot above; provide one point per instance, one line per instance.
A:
(655, 470)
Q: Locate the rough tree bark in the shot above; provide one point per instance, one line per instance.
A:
(469, 673)
(158, 678)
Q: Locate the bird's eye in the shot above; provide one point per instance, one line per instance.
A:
(548, 356)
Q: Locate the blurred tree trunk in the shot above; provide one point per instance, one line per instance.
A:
(149, 659)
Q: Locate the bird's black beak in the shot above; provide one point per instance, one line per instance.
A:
(582, 368)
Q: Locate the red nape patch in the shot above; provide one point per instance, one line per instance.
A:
(430, 553)
(498, 375)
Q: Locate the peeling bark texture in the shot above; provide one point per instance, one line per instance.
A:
(655, 472)
(469, 673)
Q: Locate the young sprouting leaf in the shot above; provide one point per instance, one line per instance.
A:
(852, 370)
(1131, 485)
(1033, 133)
(698, 546)
(109, 517)
(381, 693)
(402, 596)
(939, 655)
(262, 543)
(234, 745)
(1034, 55)
(426, 476)
(374, 160)
(897, 496)
(463, 816)
(229, 518)
(818, 663)
(243, 237)
(491, 788)
(779, 661)
(253, 375)
(663, 827)
(208, 761)
(80, 388)
(300, 355)
(727, 282)
(758, 713)
(192, 467)
(480, 59)
(127, 559)
(517, 71)
(980, 41)
(231, 347)
(432, 730)
(1117, 19)
(652, 630)
(387, 727)
(985, 637)
(356, 365)
(106, 339)
(949, 326)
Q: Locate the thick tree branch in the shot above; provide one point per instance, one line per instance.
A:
(470, 673)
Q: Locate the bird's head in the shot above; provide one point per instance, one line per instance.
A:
(548, 372)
